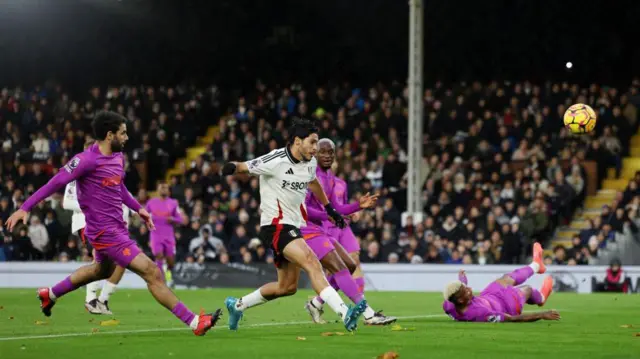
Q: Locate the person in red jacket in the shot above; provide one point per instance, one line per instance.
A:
(615, 280)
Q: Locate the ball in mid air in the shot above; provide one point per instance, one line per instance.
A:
(580, 118)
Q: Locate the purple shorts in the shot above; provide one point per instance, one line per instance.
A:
(121, 253)
(511, 298)
(319, 242)
(346, 238)
(166, 247)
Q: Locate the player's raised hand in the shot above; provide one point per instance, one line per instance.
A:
(17, 216)
(146, 217)
(368, 200)
(551, 315)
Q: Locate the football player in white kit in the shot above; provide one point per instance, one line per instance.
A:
(285, 174)
(93, 304)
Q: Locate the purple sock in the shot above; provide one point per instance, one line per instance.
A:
(160, 263)
(348, 285)
(63, 287)
(183, 313)
(536, 297)
(360, 283)
(521, 275)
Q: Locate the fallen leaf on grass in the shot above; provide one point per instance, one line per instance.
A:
(40, 322)
(94, 330)
(301, 338)
(91, 320)
(111, 322)
(637, 335)
(11, 318)
(327, 334)
(388, 355)
(398, 328)
(340, 333)
(1, 307)
(626, 326)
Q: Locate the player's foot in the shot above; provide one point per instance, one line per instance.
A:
(104, 307)
(92, 307)
(353, 314)
(234, 314)
(206, 322)
(46, 303)
(315, 313)
(547, 288)
(380, 319)
(537, 257)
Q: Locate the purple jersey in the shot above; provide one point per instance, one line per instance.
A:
(161, 210)
(490, 306)
(317, 216)
(100, 190)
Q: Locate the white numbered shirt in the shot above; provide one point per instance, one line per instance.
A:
(283, 187)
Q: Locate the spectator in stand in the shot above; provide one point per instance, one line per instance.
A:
(615, 279)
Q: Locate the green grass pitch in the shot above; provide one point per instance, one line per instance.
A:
(591, 327)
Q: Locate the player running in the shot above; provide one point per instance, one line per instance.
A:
(165, 214)
(99, 172)
(285, 174)
(92, 303)
(501, 301)
(330, 242)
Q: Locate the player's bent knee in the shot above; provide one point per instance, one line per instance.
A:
(288, 290)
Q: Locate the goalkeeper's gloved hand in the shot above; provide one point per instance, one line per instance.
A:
(229, 169)
(337, 217)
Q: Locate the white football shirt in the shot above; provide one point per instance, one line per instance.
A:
(70, 202)
(283, 187)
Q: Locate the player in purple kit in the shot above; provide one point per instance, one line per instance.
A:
(99, 172)
(165, 214)
(333, 245)
(501, 301)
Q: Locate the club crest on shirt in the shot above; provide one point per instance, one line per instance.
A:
(253, 164)
(72, 165)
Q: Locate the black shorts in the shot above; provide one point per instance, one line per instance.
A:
(277, 237)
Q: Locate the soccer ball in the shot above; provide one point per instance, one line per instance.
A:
(580, 118)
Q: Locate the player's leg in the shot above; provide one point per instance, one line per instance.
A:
(101, 268)
(109, 288)
(157, 249)
(538, 297)
(299, 253)
(91, 298)
(130, 256)
(287, 284)
(170, 258)
(520, 275)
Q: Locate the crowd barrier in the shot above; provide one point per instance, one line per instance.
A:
(379, 277)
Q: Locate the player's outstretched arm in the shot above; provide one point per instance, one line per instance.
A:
(232, 168)
(74, 169)
(532, 317)
(318, 192)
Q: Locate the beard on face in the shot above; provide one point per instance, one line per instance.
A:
(116, 146)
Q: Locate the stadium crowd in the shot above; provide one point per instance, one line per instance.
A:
(500, 171)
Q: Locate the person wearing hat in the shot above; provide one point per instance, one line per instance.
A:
(501, 301)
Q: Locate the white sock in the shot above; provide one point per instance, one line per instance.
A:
(51, 295)
(535, 266)
(333, 299)
(316, 303)
(92, 291)
(369, 313)
(250, 300)
(108, 289)
(194, 322)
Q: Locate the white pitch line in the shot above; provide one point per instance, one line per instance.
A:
(137, 331)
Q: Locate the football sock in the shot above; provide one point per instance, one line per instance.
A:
(92, 291)
(62, 288)
(348, 285)
(107, 289)
(535, 266)
(332, 298)
(522, 274)
(536, 297)
(185, 315)
(250, 300)
(369, 313)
